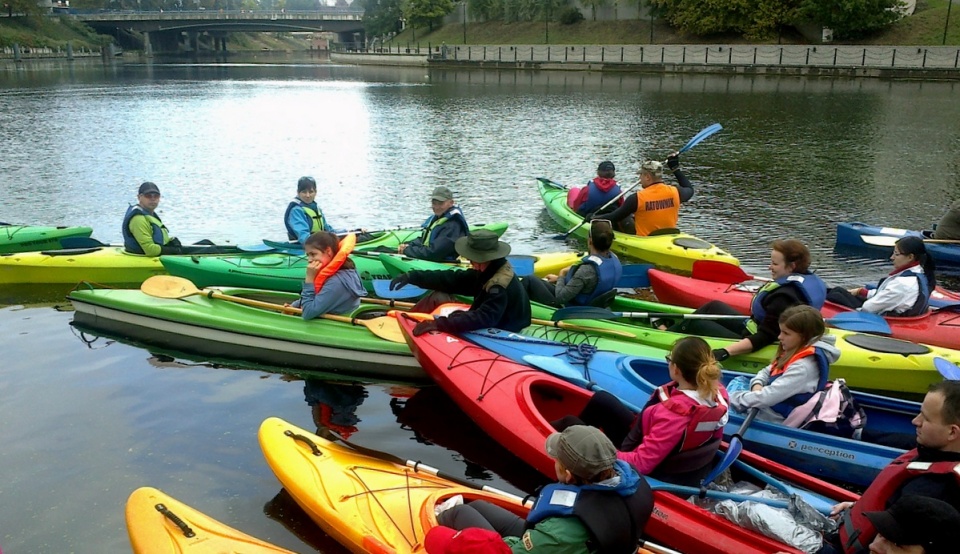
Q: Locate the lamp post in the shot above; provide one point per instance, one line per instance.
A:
(947, 24)
(464, 22)
(546, 22)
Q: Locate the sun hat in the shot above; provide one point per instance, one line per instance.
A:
(147, 188)
(481, 246)
(474, 540)
(652, 166)
(582, 449)
(919, 520)
(306, 183)
(442, 194)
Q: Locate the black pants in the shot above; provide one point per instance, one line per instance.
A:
(840, 295)
(605, 412)
(540, 291)
(484, 515)
(719, 328)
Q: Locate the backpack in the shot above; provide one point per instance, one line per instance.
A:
(832, 411)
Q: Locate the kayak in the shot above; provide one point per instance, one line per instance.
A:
(369, 504)
(880, 240)
(28, 238)
(224, 329)
(867, 362)
(106, 265)
(936, 327)
(281, 271)
(515, 405)
(634, 378)
(160, 524)
(676, 250)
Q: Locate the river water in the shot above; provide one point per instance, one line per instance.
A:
(84, 420)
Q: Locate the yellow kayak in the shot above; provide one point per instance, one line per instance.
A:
(160, 524)
(368, 504)
(103, 265)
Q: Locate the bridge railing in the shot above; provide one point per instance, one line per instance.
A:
(122, 15)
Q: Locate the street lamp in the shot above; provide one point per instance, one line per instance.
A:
(947, 24)
(546, 22)
(464, 22)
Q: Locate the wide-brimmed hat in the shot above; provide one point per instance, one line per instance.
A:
(482, 246)
(919, 520)
(582, 449)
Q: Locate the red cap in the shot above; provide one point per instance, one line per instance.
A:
(445, 540)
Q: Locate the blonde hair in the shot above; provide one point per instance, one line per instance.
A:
(694, 358)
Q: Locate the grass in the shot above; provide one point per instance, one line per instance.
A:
(47, 33)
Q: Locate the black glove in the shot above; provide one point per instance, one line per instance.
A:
(400, 281)
(721, 354)
(425, 327)
(673, 161)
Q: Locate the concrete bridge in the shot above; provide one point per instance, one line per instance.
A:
(166, 31)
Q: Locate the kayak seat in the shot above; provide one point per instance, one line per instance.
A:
(886, 345)
(692, 243)
(665, 231)
(69, 252)
(605, 299)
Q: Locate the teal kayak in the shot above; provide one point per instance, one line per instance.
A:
(30, 238)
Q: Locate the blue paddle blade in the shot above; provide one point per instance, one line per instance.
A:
(382, 289)
(730, 456)
(635, 276)
(556, 367)
(70, 243)
(255, 248)
(708, 131)
(522, 264)
(949, 370)
(861, 322)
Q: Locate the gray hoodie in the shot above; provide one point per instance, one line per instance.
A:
(802, 376)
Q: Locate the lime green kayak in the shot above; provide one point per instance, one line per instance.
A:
(224, 329)
(675, 251)
(29, 238)
(866, 361)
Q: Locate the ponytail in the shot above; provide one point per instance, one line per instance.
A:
(694, 358)
(914, 246)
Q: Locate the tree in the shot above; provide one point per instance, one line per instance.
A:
(484, 10)
(380, 17)
(427, 12)
(755, 19)
(28, 8)
(852, 18)
(594, 4)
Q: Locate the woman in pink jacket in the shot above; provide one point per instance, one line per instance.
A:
(676, 436)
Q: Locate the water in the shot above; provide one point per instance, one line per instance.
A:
(85, 420)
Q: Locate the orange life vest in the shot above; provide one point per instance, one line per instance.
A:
(346, 247)
(658, 207)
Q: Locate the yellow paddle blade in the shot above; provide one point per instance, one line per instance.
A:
(385, 327)
(168, 286)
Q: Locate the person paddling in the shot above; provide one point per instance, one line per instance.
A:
(657, 205)
(598, 191)
(332, 284)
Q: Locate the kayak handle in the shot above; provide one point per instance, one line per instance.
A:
(310, 443)
(187, 531)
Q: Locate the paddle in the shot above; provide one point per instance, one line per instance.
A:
(70, 243)
(720, 272)
(887, 240)
(861, 322)
(593, 312)
(551, 183)
(381, 287)
(168, 286)
(706, 132)
(733, 450)
(417, 466)
(949, 370)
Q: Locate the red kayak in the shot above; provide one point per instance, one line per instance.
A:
(709, 282)
(515, 403)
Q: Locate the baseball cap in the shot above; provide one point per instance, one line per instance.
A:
(582, 449)
(474, 540)
(652, 166)
(606, 166)
(442, 194)
(147, 187)
(919, 520)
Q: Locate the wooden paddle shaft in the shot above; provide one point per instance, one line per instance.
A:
(254, 303)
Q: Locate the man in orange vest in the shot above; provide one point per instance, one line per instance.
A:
(657, 205)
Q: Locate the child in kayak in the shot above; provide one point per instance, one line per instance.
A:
(676, 436)
(799, 370)
(303, 215)
(905, 292)
(600, 504)
(598, 191)
(331, 285)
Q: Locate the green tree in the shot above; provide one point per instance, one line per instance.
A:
(28, 8)
(380, 17)
(852, 18)
(484, 10)
(427, 12)
(755, 19)
(594, 4)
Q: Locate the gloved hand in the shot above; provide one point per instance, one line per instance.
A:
(720, 354)
(400, 281)
(425, 327)
(673, 161)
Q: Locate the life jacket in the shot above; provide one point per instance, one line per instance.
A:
(922, 304)
(856, 531)
(698, 446)
(811, 288)
(609, 271)
(315, 214)
(614, 521)
(823, 365)
(658, 207)
(346, 246)
(832, 411)
(159, 232)
(433, 223)
(597, 197)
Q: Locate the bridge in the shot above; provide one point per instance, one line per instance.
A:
(165, 31)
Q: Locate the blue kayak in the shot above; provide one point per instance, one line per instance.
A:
(880, 240)
(633, 379)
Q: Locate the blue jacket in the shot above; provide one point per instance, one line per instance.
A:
(609, 272)
(300, 224)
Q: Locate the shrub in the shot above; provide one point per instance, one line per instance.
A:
(571, 16)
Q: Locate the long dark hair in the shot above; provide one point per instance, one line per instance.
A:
(914, 245)
(694, 359)
(321, 240)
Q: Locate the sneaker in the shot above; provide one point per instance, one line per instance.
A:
(447, 504)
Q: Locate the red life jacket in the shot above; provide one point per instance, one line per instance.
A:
(704, 420)
(856, 531)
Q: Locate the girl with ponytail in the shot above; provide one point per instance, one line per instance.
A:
(332, 284)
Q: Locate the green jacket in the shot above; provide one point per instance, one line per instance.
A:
(555, 535)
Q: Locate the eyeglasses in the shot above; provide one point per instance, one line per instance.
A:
(668, 359)
(895, 253)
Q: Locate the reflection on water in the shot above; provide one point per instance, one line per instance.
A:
(87, 421)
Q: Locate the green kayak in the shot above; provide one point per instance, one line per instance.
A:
(285, 271)
(30, 238)
(225, 329)
(866, 362)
